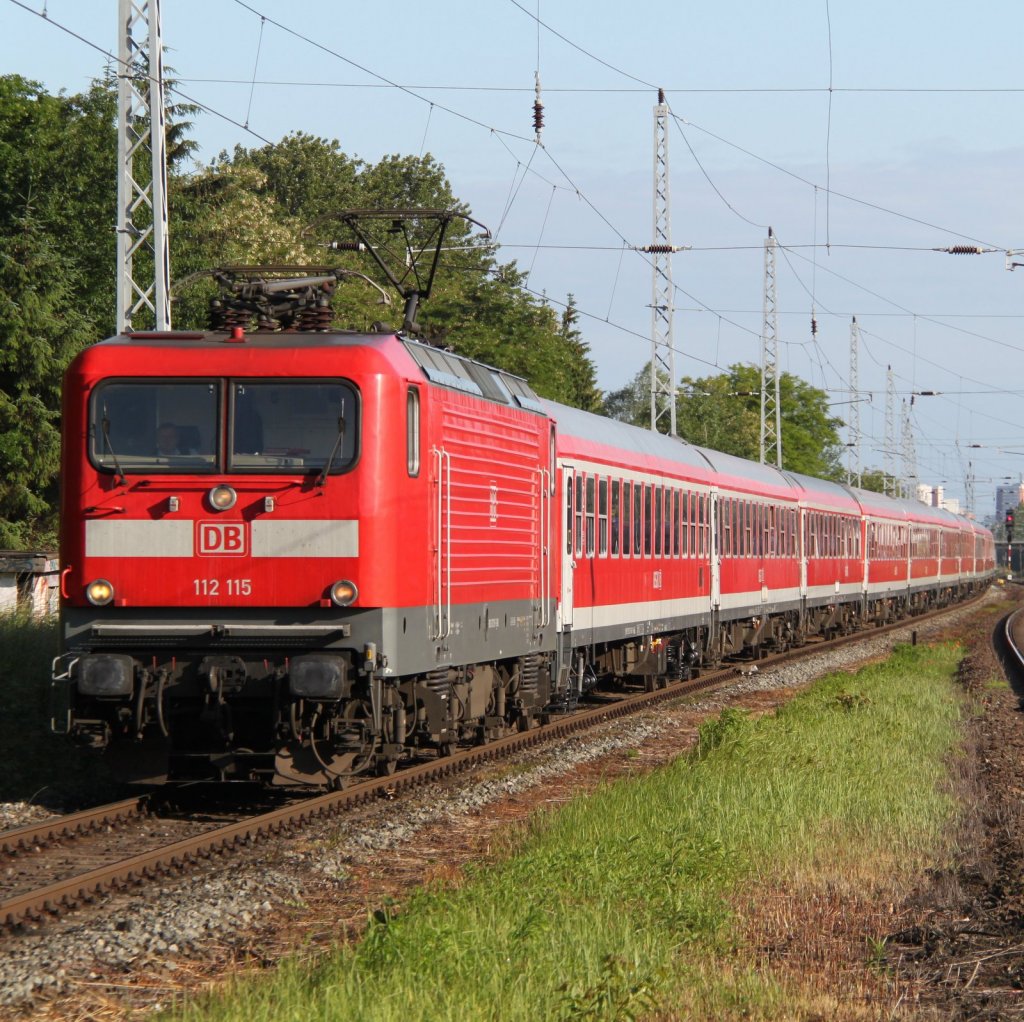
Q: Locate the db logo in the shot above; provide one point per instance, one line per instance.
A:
(222, 539)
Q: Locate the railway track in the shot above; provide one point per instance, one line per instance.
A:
(93, 864)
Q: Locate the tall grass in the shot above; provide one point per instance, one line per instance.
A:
(618, 906)
(36, 765)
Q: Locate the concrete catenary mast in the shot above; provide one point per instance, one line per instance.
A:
(141, 183)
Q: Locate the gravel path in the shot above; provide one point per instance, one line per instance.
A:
(142, 948)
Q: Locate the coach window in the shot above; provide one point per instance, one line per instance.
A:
(579, 515)
(568, 518)
(657, 521)
(704, 520)
(637, 518)
(602, 517)
(675, 523)
(616, 523)
(412, 431)
(684, 523)
(154, 426)
(591, 483)
(647, 519)
(627, 517)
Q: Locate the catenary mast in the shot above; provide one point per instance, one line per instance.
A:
(663, 361)
(141, 189)
(771, 412)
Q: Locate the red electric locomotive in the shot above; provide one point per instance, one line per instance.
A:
(297, 557)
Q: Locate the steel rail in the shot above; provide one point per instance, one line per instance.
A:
(1014, 623)
(57, 828)
(177, 856)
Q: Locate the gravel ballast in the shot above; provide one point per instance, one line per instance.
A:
(148, 937)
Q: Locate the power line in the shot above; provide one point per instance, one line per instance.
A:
(116, 60)
(597, 89)
(839, 195)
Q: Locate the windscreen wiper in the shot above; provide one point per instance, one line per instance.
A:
(322, 478)
(105, 426)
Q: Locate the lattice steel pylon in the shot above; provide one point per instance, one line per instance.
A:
(663, 353)
(854, 473)
(969, 489)
(771, 411)
(890, 433)
(909, 474)
(141, 189)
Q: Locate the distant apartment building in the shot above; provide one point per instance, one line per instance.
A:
(935, 496)
(1008, 497)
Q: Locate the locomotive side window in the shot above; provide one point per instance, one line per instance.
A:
(284, 425)
(412, 431)
(149, 426)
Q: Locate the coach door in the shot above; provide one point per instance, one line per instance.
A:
(716, 553)
(568, 563)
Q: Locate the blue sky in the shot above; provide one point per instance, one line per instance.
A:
(921, 127)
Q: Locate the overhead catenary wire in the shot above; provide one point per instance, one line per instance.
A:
(504, 137)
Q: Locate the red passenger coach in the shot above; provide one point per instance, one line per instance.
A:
(301, 557)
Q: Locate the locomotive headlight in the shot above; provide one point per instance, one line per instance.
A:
(99, 593)
(221, 498)
(343, 593)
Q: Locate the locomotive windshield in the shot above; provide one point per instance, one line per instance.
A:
(176, 426)
(145, 426)
(283, 425)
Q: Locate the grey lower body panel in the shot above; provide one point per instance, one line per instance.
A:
(407, 637)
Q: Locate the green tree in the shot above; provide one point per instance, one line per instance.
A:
(723, 412)
(875, 480)
(279, 203)
(586, 393)
(41, 330)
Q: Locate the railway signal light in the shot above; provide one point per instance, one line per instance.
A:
(1009, 526)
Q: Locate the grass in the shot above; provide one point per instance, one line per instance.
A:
(38, 766)
(635, 902)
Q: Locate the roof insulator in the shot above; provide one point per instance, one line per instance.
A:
(538, 109)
